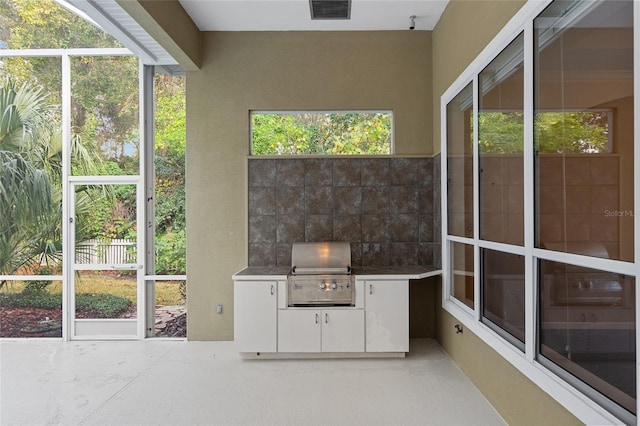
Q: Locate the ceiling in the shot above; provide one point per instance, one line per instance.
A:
(294, 15)
(257, 15)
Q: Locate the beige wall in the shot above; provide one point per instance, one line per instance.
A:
(465, 28)
(246, 71)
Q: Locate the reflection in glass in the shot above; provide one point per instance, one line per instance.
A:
(503, 291)
(584, 128)
(105, 224)
(105, 294)
(460, 164)
(501, 146)
(463, 268)
(587, 327)
(104, 115)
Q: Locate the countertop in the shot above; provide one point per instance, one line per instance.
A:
(361, 272)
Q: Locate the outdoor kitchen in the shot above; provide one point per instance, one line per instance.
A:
(333, 246)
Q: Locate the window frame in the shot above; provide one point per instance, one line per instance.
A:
(579, 404)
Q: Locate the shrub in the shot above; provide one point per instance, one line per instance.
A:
(102, 305)
(38, 286)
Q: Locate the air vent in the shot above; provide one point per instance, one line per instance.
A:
(330, 9)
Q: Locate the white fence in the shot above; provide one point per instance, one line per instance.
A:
(106, 251)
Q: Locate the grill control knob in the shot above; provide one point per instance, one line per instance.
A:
(322, 286)
(334, 286)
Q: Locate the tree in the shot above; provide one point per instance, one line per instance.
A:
(26, 196)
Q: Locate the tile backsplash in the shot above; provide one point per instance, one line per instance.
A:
(383, 206)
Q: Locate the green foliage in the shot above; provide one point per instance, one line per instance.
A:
(38, 286)
(321, 133)
(170, 257)
(556, 132)
(100, 305)
(103, 305)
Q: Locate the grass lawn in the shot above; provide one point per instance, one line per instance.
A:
(93, 282)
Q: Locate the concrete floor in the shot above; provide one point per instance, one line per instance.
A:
(206, 383)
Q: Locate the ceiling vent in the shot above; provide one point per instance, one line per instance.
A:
(330, 9)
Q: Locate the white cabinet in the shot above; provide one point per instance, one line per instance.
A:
(387, 315)
(255, 306)
(333, 330)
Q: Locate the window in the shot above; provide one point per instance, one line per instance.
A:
(321, 133)
(540, 200)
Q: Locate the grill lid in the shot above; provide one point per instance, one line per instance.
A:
(321, 258)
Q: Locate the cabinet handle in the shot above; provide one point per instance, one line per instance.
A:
(316, 318)
(326, 318)
(370, 288)
(272, 290)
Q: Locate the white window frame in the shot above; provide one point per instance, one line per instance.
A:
(584, 408)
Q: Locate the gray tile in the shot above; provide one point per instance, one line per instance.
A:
(318, 172)
(403, 171)
(347, 200)
(403, 254)
(347, 228)
(346, 172)
(319, 200)
(284, 254)
(375, 228)
(290, 228)
(425, 199)
(356, 254)
(290, 172)
(426, 228)
(425, 171)
(403, 228)
(375, 199)
(437, 228)
(262, 254)
(290, 200)
(375, 254)
(262, 172)
(404, 199)
(319, 228)
(262, 229)
(262, 200)
(375, 171)
(425, 254)
(437, 255)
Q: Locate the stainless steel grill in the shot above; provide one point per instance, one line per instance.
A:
(321, 275)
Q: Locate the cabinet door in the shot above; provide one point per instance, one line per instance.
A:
(298, 330)
(343, 331)
(387, 316)
(255, 307)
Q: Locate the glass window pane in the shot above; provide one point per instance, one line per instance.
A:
(171, 309)
(501, 146)
(462, 287)
(31, 309)
(169, 160)
(332, 133)
(460, 163)
(44, 24)
(104, 115)
(30, 166)
(584, 128)
(587, 327)
(503, 291)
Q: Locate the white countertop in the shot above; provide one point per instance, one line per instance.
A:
(415, 272)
